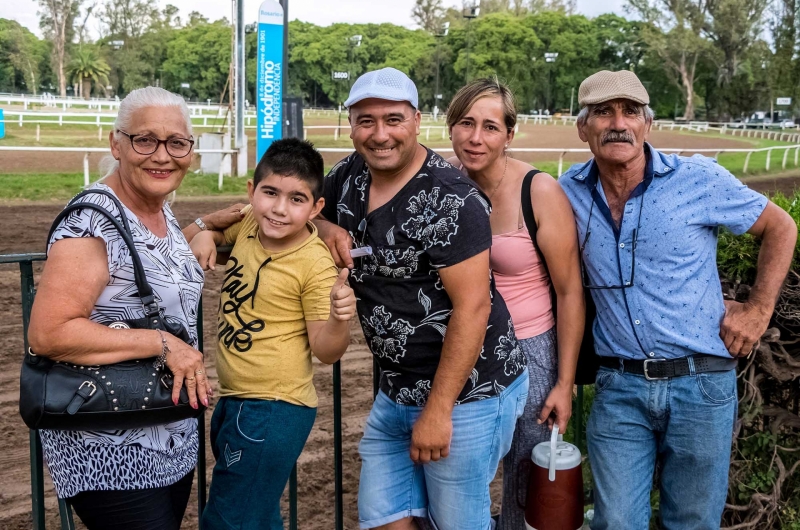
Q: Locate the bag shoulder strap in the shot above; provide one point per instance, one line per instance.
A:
(530, 224)
(149, 302)
(120, 208)
(527, 212)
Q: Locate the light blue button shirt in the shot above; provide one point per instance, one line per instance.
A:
(674, 307)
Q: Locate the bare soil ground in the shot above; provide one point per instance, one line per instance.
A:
(23, 227)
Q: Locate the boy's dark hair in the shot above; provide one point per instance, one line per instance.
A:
(292, 157)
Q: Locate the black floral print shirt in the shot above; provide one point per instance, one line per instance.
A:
(440, 218)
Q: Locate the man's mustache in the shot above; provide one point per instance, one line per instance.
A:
(618, 136)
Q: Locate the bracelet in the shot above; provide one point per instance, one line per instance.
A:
(199, 222)
(161, 360)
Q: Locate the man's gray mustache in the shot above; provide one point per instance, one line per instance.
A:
(618, 137)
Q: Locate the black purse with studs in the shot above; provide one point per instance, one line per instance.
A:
(124, 395)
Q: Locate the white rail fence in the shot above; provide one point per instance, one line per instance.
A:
(562, 152)
(104, 150)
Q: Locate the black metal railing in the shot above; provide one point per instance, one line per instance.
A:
(28, 291)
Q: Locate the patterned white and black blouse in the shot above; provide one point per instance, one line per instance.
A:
(136, 458)
(439, 218)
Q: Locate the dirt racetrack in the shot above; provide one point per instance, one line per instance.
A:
(23, 227)
(540, 136)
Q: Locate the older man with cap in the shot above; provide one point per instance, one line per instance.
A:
(453, 378)
(668, 344)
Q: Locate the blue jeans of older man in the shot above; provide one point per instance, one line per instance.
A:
(685, 424)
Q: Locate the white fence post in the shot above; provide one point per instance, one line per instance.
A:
(561, 163)
(746, 161)
(100, 134)
(785, 154)
(769, 155)
(221, 165)
(20, 120)
(86, 170)
(427, 133)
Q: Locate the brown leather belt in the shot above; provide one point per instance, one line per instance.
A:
(654, 369)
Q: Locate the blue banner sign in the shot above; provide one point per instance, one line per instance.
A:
(269, 93)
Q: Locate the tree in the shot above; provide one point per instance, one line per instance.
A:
(673, 34)
(128, 18)
(56, 20)
(88, 68)
(199, 54)
(734, 26)
(21, 55)
(428, 14)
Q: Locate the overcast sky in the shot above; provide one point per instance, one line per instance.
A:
(322, 12)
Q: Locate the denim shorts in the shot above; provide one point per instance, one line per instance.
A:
(452, 493)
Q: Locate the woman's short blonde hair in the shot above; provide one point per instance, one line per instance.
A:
(485, 87)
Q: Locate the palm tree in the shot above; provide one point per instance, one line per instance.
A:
(87, 68)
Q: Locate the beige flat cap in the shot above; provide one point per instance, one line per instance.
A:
(606, 85)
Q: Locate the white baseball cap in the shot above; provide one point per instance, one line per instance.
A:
(386, 83)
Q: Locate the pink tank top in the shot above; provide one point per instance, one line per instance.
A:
(522, 282)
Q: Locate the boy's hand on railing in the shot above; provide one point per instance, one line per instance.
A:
(204, 248)
(343, 299)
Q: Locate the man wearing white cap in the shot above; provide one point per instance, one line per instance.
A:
(453, 378)
(666, 389)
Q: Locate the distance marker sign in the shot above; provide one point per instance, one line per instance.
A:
(269, 93)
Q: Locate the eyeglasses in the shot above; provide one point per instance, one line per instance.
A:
(585, 277)
(147, 145)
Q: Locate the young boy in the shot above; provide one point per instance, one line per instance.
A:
(281, 301)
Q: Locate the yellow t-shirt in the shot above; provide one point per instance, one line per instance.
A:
(263, 350)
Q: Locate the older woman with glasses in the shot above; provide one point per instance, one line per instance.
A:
(481, 118)
(137, 478)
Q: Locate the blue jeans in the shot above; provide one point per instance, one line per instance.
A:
(453, 492)
(684, 423)
(256, 444)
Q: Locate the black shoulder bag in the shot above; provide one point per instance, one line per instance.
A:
(588, 362)
(124, 395)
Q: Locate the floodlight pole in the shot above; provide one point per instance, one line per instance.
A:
(239, 81)
(440, 35)
(469, 14)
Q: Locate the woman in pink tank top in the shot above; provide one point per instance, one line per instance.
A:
(481, 118)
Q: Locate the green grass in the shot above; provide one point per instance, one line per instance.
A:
(60, 187)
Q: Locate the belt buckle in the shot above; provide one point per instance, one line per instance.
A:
(647, 375)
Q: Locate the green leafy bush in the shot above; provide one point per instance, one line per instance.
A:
(737, 256)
